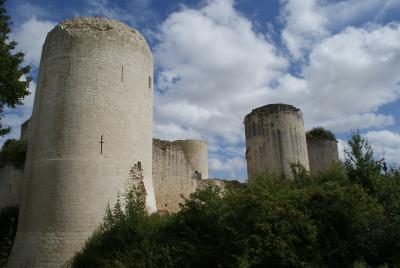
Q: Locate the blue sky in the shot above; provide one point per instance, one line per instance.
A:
(215, 60)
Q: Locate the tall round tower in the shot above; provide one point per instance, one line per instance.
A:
(91, 123)
(275, 138)
(322, 149)
(196, 154)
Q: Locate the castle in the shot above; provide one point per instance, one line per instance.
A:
(90, 137)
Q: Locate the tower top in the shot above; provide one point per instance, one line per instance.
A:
(274, 108)
(97, 26)
(94, 25)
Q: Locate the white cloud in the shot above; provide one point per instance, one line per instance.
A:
(30, 37)
(351, 74)
(357, 121)
(230, 165)
(305, 24)
(385, 144)
(214, 69)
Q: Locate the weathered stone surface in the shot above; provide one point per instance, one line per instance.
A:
(321, 154)
(94, 80)
(176, 171)
(10, 185)
(275, 138)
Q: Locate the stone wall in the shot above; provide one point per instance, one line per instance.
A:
(275, 138)
(321, 154)
(173, 174)
(10, 185)
(91, 123)
(24, 130)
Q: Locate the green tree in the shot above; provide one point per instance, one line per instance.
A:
(12, 88)
(14, 152)
(320, 133)
(360, 164)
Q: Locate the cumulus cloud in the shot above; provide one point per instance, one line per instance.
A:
(214, 68)
(208, 59)
(386, 144)
(229, 165)
(307, 22)
(30, 37)
(349, 76)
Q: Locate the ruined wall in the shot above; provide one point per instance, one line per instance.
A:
(173, 173)
(322, 154)
(24, 130)
(91, 123)
(10, 182)
(196, 154)
(275, 138)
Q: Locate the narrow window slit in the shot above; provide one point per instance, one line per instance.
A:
(69, 66)
(150, 82)
(122, 74)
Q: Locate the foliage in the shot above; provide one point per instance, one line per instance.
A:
(12, 87)
(332, 219)
(8, 227)
(360, 164)
(320, 133)
(14, 152)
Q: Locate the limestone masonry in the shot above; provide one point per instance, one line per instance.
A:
(91, 122)
(275, 138)
(90, 136)
(179, 168)
(321, 154)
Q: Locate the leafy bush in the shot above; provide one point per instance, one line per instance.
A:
(320, 133)
(14, 152)
(266, 222)
(346, 216)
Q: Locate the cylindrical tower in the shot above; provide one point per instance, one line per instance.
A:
(275, 138)
(196, 154)
(322, 153)
(91, 123)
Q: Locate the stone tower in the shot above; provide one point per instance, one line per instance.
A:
(196, 154)
(275, 138)
(91, 123)
(322, 153)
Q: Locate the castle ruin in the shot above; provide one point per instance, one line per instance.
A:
(91, 131)
(275, 139)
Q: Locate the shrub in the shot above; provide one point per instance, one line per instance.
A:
(14, 152)
(320, 133)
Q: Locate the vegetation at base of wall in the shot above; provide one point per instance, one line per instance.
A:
(14, 152)
(8, 227)
(347, 216)
(320, 133)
